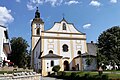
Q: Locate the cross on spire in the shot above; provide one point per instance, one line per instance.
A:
(37, 8)
(37, 14)
(63, 16)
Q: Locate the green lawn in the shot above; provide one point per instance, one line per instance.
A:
(110, 74)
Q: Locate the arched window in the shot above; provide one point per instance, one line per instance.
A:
(64, 26)
(51, 51)
(65, 48)
(52, 63)
(79, 53)
(38, 31)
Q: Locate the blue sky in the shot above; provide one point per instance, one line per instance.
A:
(89, 16)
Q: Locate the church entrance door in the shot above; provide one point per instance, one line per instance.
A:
(66, 65)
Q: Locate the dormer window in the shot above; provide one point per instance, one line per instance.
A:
(64, 26)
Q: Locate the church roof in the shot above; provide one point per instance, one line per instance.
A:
(51, 55)
(37, 18)
(37, 13)
(92, 49)
(2, 26)
(63, 19)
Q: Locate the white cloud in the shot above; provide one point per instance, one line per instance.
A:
(5, 16)
(30, 6)
(86, 26)
(71, 2)
(95, 3)
(54, 2)
(113, 1)
(37, 1)
(18, 1)
(33, 3)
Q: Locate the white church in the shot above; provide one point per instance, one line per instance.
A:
(61, 45)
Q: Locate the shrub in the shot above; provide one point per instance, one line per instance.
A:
(56, 68)
(73, 76)
(24, 67)
(104, 77)
(61, 73)
(101, 77)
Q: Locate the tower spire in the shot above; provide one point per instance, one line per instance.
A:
(37, 14)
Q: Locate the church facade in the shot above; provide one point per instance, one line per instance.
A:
(61, 45)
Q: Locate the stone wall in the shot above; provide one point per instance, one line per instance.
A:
(6, 68)
(20, 76)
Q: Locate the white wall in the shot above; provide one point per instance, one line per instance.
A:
(69, 28)
(48, 63)
(37, 62)
(2, 41)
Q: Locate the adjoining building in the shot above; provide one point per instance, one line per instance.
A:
(61, 45)
(5, 47)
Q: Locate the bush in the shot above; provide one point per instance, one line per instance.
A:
(61, 73)
(15, 66)
(56, 68)
(24, 67)
(101, 77)
(104, 77)
(73, 76)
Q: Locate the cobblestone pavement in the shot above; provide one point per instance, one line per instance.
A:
(48, 78)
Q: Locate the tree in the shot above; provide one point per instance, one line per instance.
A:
(28, 58)
(56, 68)
(109, 46)
(89, 60)
(19, 49)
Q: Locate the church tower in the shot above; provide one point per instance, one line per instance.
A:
(37, 26)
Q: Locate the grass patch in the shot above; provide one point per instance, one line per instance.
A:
(113, 76)
(92, 75)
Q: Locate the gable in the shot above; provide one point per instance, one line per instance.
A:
(64, 27)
